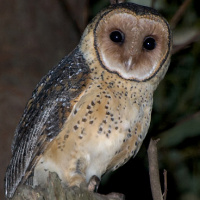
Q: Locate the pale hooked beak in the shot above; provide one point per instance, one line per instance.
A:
(129, 64)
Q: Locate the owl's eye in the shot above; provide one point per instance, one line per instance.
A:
(149, 43)
(117, 36)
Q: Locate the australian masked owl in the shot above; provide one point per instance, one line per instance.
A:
(91, 112)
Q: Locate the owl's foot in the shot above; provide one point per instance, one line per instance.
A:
(93, 186)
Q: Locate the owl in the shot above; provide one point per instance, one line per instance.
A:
(90, 113)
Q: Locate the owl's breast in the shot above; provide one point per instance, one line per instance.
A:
(105, 128)
(111, 123)
(135, 116)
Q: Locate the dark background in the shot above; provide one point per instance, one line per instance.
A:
(35, 35)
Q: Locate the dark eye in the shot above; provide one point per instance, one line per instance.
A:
(149, 43)
(117, 36)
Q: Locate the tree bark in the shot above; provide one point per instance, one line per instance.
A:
(56, 191)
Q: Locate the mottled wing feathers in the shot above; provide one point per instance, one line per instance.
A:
(44, 116)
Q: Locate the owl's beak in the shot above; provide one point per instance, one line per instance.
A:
(129, 64)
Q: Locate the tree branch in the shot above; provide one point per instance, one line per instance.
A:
(116, 1)
(165, 185)
(154, 171)
(55, 190)
(153, 3)
(179, 13)
(177, 48)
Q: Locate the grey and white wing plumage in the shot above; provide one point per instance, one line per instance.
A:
(44, 116)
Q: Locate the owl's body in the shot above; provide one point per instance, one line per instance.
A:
(105, 128)
(91, 113)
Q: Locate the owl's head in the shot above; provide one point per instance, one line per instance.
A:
(132, 41)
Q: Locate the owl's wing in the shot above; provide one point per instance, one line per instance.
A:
(44, 116)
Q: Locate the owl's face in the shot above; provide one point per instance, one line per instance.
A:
(135, 44)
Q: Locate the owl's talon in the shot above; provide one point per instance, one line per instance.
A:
(93, 184)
